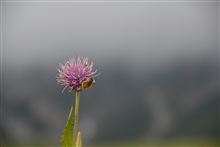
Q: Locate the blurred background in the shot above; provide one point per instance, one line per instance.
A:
(158, 63)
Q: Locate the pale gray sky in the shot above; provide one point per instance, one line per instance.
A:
(139, 32)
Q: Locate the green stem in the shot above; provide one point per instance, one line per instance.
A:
(76, 117)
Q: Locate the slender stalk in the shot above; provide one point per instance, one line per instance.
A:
(76, 116)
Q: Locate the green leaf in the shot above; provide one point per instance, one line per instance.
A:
(67, 136)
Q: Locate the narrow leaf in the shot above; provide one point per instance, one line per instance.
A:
(67, 136)
(79, 140)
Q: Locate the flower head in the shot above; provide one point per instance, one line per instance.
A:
(76, 74)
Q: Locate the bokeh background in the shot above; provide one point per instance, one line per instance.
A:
(158, 63)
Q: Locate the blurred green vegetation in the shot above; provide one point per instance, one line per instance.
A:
(199, 142)
(193, 142)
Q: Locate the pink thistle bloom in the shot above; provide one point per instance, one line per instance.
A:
(76, 74)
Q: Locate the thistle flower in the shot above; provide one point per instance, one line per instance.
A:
(76, 74)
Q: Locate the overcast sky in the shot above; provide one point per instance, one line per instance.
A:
(137, 32)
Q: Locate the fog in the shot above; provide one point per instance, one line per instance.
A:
(159, 65)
